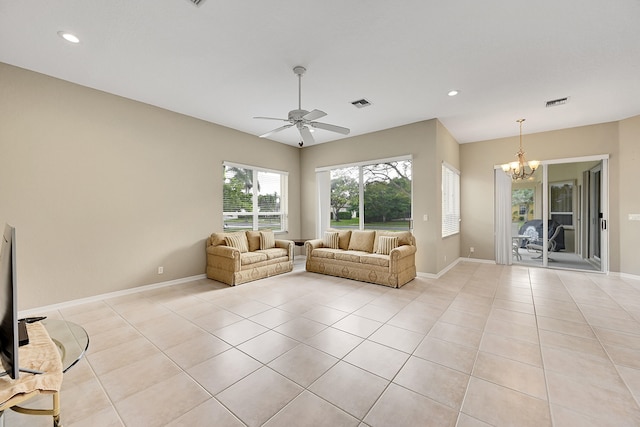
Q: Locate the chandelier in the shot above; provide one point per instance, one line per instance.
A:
(520, 169)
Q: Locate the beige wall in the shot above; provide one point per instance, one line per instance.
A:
(103, 190)
(478, 160)
(628, 174)
(429, 143)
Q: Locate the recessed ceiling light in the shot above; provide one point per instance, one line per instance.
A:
(453, 92)
(71, 38)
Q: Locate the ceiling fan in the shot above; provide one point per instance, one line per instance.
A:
(302, 119)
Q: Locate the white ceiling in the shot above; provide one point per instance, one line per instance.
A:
(227, 61)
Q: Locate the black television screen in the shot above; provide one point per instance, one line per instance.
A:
(9, 340)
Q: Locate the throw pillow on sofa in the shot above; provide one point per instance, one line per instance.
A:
(253, 237)
(238, 241)
(343, 237)
(267, 239)
(386, 244)
(331, 239)
(362, 240)
(404, 237)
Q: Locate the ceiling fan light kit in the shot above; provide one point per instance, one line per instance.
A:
(304, 120)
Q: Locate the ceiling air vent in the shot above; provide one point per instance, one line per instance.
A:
(556, 102)
(361, 103)
(196, 2)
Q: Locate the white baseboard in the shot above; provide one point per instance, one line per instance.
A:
(453, 264)
(625, 275)
(66, 304)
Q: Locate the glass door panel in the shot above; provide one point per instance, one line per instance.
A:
(559, 216)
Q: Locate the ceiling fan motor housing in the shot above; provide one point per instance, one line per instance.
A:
(297, 115)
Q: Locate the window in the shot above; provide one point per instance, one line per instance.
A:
(522, 205)
(561, 203)
(345, 197)
(387, 195)
(450, 200)
(254, 198)
(372, 195)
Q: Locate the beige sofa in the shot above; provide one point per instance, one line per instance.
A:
(240, 257)
(375, 256)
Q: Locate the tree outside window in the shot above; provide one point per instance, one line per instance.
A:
(386, 196)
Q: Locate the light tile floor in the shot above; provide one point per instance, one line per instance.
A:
(482, 345)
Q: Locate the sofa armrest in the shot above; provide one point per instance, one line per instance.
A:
(223, 251)
(223, 257)
(401, 257)
(310, 245)
(286, 244)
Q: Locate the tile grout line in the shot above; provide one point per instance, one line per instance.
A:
(544, 371)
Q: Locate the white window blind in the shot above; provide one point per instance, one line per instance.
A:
(450, 200)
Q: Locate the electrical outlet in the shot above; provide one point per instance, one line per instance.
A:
(472, 249)
(160, 270)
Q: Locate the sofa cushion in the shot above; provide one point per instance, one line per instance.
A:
(247, 258)
(323, 253)
(362, 240)
(267, 239)
(331, 239)
(238, 241)
(253, 237)
(375, 259)
(386, 244)
(351, 256)
(404, 237)
(273, 253)
(343, 238)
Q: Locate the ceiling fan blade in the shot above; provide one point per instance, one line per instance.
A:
(271, 118)
(305, 133)
(332, 128)
(276, 130)
(313, 115)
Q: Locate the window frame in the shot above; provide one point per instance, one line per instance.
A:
(255, 213)
(571, 214)
(361, 184)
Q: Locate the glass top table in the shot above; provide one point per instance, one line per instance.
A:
(70, 338)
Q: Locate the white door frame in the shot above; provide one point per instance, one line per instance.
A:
(604, 239)
(604, 223)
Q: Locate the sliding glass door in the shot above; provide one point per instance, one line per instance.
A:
(559, 218)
